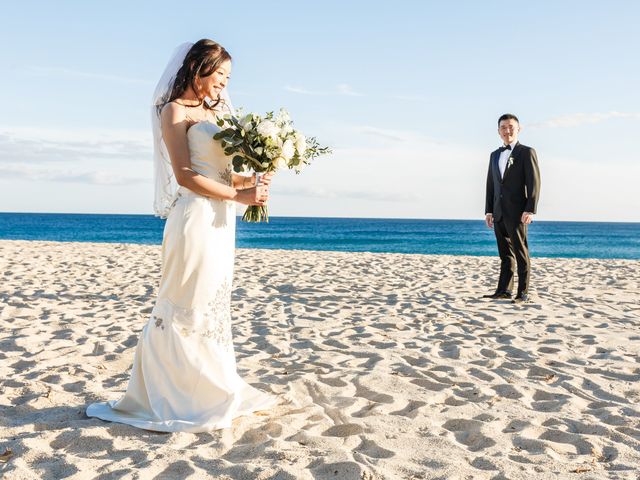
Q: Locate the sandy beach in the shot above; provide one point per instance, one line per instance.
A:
(387, 366)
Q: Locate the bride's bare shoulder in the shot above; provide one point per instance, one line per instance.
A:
(173, 112)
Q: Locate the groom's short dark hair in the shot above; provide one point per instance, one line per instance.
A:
(508, 116)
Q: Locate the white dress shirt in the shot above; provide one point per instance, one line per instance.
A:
(504, 156)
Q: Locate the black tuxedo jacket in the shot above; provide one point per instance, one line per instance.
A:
(518, 190)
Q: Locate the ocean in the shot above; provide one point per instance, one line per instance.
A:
(451, 237)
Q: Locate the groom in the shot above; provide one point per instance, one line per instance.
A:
(513, 187)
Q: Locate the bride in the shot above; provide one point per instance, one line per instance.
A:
(184, 370)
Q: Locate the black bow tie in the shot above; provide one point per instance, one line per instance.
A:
(502, 149)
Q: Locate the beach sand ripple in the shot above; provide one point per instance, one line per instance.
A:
(387, 366)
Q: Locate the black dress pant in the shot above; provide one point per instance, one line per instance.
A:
(514, 250)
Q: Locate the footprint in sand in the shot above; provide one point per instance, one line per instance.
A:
(571, 443)
(411, 410)
(548, 402)
(507, 391)
(373, 450)
(341, 470)
(362, 391)
(467, 432)
(344, 430)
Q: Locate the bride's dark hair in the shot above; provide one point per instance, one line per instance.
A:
(204, 58)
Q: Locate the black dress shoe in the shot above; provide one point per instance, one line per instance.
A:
(522, 298)
(498, 296)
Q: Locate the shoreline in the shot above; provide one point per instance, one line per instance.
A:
(533, 257)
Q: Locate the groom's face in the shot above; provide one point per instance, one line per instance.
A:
(508, 131)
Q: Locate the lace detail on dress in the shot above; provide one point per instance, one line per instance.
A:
(226, 176)
(212, 322)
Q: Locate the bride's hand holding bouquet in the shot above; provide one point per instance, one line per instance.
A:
(265, 144)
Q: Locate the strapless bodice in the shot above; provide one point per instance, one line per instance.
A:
(207, 155)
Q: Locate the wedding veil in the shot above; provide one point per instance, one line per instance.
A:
(165, 181)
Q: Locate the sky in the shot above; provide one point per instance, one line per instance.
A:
(406, 93)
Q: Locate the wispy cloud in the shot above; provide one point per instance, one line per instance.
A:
(578, 119)
(31, 145)
(71, 73)
(341, 89)
(302, 91)
(22, 172)
(382, 133)
(345, 89)
(414, 138)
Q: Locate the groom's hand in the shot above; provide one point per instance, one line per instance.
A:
(488, 219)
(527, 218)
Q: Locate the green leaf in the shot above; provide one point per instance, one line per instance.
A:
(238, 163)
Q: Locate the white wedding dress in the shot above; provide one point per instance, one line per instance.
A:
(184, 370)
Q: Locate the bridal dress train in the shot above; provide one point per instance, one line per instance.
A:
(184, 374)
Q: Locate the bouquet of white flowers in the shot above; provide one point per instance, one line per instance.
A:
(265, 144)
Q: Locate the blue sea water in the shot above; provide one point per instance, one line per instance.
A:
(453, 237)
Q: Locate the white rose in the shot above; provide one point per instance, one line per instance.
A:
(301, 144)
(286, 129)
(288, 150)
(280, 163)
(267, 128)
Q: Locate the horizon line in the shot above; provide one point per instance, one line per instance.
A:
(479, 219)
